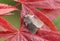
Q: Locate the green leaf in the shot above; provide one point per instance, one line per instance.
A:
(10, 2)
(57, 22)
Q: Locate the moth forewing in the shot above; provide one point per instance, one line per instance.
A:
(32, 23)
(37, 22)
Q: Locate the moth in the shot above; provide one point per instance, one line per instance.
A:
(32, 23)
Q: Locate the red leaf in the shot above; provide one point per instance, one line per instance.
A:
(27, 0)
(51, 14)
(4, 9)
(49, 35)
(7, 29)
(4, 34)
(32, 37)
(17, 37)
(45, 4)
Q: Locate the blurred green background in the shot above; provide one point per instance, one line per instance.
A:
(15, 19)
